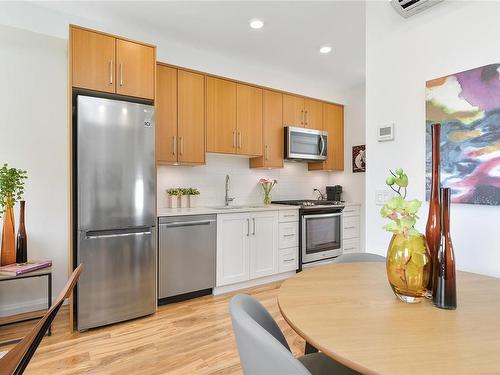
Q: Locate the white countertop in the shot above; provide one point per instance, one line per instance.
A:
(162, 212)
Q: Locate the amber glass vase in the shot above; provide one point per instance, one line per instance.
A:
(408, 267)
(444, 293)
(8, 237)
(433, 227)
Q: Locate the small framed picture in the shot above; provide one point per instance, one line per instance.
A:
(358, 158)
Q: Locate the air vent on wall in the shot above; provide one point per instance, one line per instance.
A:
(407, 8)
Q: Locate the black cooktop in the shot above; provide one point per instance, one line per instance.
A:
(305, 203)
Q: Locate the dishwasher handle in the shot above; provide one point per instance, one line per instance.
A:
(178, 224)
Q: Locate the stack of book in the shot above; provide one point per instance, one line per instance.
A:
(20, 269)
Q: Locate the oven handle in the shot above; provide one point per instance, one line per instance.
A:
(332, 214)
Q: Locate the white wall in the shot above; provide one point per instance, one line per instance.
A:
(33, 136)
(294, 181)
(353, 184)
(402, 54)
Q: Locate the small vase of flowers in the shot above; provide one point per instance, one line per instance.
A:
(267, 185)
(193, 195)
(408, 261)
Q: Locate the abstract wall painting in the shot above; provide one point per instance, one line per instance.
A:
(467, 105)
(359, 158)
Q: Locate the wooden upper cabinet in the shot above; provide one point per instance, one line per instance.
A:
(135, 69)
(293, 110)
(93, 60)
(273, 139)
(166, 115)
(103, 62)
(313, 114)
(249, 120)
(221, 115)
(333, 123)
(191, 123)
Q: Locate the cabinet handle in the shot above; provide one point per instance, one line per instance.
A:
(248, 227)
(289, 215)
(111, 72)
(302, 117)
(306, 120)
(266, 152)
(289, 260)
(234, 139)
(349, 248)
(181, 140)
(253, 219)
(349, 227)
(347, 211)
(289, 235)
(174, 144)
(121, 74)
(239, 139)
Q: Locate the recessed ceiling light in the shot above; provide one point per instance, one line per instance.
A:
(256, 23)
(325, 49)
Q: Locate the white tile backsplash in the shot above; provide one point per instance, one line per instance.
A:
(294, 181)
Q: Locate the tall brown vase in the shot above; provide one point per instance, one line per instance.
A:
(8, 238)
(433, 227)
(444, 291)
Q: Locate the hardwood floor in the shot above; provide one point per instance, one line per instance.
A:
(192, 337)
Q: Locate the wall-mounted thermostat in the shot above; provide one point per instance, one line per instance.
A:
(386, 133)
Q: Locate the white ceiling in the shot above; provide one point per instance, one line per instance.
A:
(290, 39)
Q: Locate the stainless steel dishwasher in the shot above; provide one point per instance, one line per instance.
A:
(187, 249)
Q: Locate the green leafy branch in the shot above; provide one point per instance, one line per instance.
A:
(11, 186)
(403, 213)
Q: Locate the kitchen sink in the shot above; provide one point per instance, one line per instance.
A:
(237, 207)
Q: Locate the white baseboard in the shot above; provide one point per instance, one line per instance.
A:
(22, 307)
(251, 283)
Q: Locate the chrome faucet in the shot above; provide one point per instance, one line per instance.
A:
(321, 195)
(227, 199)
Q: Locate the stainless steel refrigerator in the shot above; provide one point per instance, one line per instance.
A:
(115, 213)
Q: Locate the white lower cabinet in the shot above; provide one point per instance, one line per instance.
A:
(247, 246)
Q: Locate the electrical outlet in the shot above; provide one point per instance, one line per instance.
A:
(382, 196)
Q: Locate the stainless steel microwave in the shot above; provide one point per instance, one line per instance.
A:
(305, 144)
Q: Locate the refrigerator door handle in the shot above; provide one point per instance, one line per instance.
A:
(92, 234)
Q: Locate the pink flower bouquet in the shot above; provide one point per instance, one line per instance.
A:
(267, 185)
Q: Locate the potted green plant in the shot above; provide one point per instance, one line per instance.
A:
(408, 259)
(193, 195)
(11, 190)
(183, 197)
(173, 197)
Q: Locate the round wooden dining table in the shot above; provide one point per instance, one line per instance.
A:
(349, 312)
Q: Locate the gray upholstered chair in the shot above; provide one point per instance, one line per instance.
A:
(359, 257)
(263, 348)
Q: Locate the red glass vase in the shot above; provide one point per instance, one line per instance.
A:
(444, 292)
(433, 227)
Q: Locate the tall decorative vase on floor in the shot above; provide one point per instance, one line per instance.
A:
(22, 239)
(8, 237)
(444, 293)
(433, 227)
(11, 190)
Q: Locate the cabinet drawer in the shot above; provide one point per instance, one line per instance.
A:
(351, 227)
(289, 235)
(289, 215)
(288, 259)
(351, 246)
(351, 211)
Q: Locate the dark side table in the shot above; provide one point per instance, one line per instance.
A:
(44, 272)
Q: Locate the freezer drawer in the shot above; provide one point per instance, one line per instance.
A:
(118, 278)
(187, 248)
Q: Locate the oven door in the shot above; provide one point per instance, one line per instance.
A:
(321, 236)
(305, 144)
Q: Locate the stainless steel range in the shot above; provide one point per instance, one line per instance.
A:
(320, 224)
